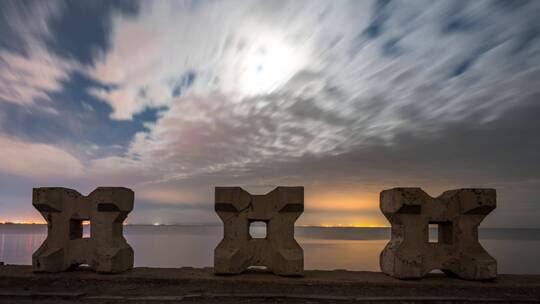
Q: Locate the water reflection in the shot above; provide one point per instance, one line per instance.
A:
(324, 248)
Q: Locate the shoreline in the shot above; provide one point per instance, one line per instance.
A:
(8, 223)
(199, 285)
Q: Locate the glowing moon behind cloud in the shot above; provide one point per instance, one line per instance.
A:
(268, 63)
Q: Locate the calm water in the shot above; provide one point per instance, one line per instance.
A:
(517, 250)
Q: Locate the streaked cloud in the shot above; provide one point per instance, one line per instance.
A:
(37, 160)
(344, 97)
(28, 78)
(29, 70)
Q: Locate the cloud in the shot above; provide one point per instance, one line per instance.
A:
(28, 70)
(37, 160)
(23, 22)
(27, 78)
(245, 50)
(370, 96)
(345, 98)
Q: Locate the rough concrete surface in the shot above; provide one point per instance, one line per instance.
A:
(18, 284)
(106, 250)
(278, 209)
(410, 254)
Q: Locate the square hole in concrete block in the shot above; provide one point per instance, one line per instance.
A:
(87, 227)
(79, 229)
(257, 229)
(440, 232)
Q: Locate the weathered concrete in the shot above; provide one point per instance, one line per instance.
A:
(106, 250)
(409, 254)
(279, 251)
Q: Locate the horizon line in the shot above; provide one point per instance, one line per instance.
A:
(220, 224)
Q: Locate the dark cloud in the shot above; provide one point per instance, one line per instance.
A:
(81, 32)
(74, 119)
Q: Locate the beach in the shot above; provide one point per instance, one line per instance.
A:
(18, 284)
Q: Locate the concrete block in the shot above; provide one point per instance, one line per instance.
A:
(279, 251)
(106, 250)
(457, 213)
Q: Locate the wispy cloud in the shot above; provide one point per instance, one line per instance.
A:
(27, 78)
(343, 97)
(356, 85)
(37, 160)
(28, 70)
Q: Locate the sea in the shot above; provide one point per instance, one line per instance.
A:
(326, 248)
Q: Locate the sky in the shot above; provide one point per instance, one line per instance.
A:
(345, 98)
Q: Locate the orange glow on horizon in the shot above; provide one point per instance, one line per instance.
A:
(348, 200)
(325, 225)
(345, 207)
(42, 222)
(352, 226)
(27, 222)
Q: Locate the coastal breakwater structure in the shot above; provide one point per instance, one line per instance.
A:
(105, 250)
(457, 215)
(278, 210)
(408, 255)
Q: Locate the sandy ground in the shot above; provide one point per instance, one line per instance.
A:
(18, 284)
